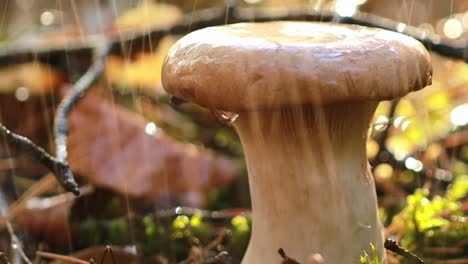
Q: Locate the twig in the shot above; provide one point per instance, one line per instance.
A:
(65, 106)
(392, 246)
(60, 257)
(40, 187)
(218, 241)
(218, 15)
(286, 259)
(15, 241)
(60, 169)
(108, 249)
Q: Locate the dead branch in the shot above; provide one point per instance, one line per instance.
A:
(65, 106)
(135, 42)
(392, 246)
(60, 169)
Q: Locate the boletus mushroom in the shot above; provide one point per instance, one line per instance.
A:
(305, 94)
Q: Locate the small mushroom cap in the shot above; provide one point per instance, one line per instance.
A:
(251, 66)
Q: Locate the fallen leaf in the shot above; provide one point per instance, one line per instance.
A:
(146, 16)
(143, 73)
(47, 218)
(108, 147)
(34, 79)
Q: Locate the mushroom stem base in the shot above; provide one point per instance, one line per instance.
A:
(311, 187)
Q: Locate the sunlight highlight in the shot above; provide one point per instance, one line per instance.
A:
(47, 18)
(413, 164)
(151, 129)
(459, 115)
(346, 7)
(453, 28)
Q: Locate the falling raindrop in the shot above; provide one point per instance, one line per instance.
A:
(381, 123)
(227, 118)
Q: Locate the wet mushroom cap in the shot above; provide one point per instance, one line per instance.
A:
(251, 66)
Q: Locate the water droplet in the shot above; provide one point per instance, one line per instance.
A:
(178, 210)
(429, 79)
(227, 118)
(401, 27)
(381, 123)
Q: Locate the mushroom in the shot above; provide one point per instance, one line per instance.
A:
(305, 94)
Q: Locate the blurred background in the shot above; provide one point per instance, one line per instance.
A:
(164, 183)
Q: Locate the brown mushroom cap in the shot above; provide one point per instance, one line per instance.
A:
(264, 65)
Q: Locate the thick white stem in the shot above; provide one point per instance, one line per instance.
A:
(311, 187)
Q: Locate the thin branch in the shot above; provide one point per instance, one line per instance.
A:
(108, 249)
(17, 243)
(219, 15)
(65, 106)
(286, 259)
(392, 246)
(73, 97)
(60, 169)
(62, 258)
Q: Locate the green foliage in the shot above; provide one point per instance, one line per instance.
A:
(366, 259)
(119, 232)
(240, 235)
(89, 234)
(434, 221)
(200, 229)
(156, 237)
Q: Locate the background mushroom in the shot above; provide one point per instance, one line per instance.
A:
(305, 94)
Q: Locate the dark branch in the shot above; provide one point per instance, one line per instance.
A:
(135, 42)
(60, 169)
(71, 99)
(59, 165)
(392, 246)
(286, 259)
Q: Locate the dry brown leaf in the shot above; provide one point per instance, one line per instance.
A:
(48, 218)
(108, 147)
(147, 15)
(36, 78)
(143, 73)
